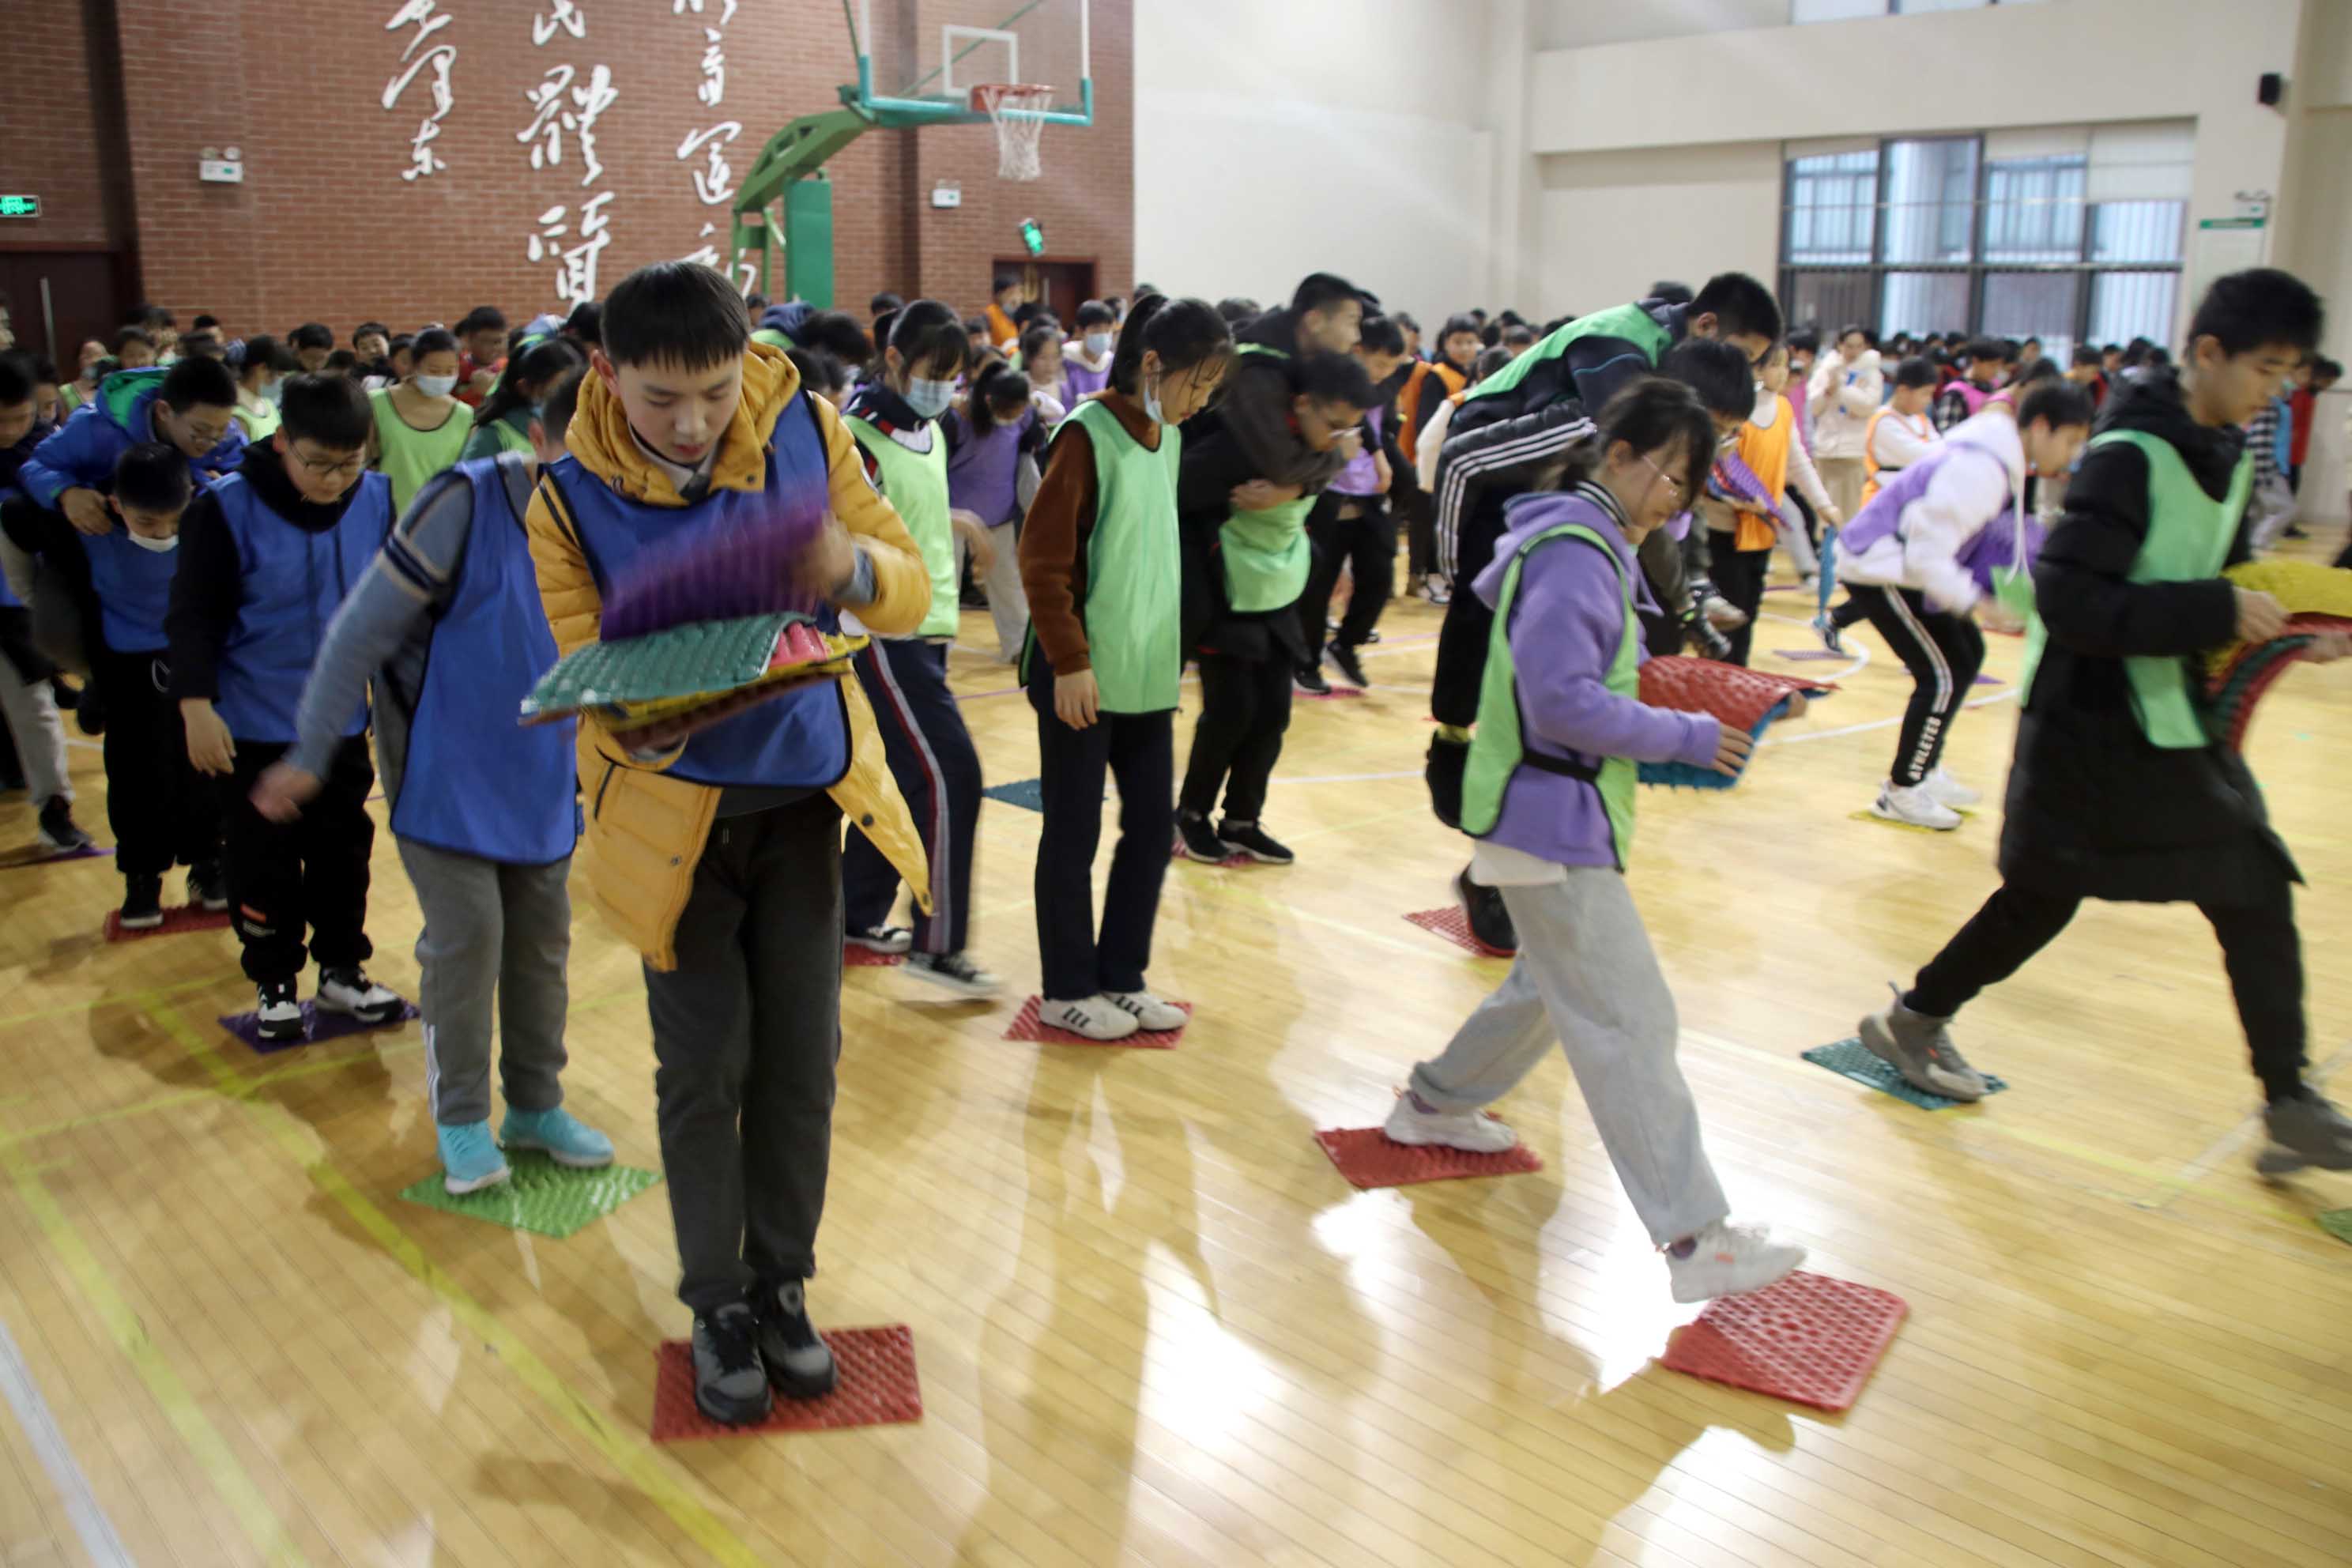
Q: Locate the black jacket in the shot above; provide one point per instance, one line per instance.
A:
(2095, 810)
(1255, 408)
(1205, 477)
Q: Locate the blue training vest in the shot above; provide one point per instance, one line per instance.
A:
(135, 589)
(476, 782)
(796, 741)
(293, 581)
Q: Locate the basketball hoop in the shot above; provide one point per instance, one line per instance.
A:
(1017, 111)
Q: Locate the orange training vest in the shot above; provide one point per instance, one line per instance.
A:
(1920, 424)
(1766, 453)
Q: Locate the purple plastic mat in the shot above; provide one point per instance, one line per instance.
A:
(1805, 653)
(318, 1027)
(36, 855)
(1988, 681)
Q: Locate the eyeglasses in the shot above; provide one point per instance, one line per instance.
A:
(332, 467)
(1674, 486)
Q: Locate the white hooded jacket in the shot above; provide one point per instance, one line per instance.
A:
(1840, 398)
(1979, 482)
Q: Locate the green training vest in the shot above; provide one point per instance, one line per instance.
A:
(1266, 554)
(1496, 749)
(916, 485)
(2189, 538)
(408, 456)
(1628, 321)
(1135, 574)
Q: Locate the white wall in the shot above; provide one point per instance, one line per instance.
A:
(1275, 138)
(1615, 222)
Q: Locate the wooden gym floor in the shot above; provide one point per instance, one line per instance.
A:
(1153, 1324)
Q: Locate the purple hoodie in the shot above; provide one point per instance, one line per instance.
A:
(1566, 627)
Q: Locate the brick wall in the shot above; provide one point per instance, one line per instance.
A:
(55, 139)
(324, 227)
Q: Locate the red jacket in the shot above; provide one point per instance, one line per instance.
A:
(2302, 405)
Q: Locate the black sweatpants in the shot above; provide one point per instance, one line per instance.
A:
(1366, 544)
(1138, 751)
(1421, 535)
(747, 1032)
(1245, 710)
(1739, 578)
(314, 871)
(1942, 651)
(1462, 641)
(931, 757)
(2260, 948)
(163, 813)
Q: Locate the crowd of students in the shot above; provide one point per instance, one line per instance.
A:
(284, 571)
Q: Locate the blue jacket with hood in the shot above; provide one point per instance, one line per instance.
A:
(81, 455)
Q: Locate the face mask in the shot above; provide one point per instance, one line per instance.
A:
(159, 546)
(1151, 405)
(929, 399)
(437, 385)
(1097, 343)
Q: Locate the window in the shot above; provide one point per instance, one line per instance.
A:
(2066, 233)
(1847, 10)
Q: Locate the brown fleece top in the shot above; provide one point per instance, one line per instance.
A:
(1054, 535)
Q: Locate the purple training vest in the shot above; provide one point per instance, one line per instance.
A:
(983, 471)
(1993, 545)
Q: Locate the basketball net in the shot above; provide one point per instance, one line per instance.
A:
(1016, 109)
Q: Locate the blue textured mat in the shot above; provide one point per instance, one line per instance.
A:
(1029, 795)
(1851, 1059)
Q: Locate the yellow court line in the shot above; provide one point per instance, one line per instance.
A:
(627, 1452)
(260, 1522)
(233, 1088)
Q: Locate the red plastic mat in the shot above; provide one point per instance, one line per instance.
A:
(1333, 695)
(879, 1387)
(1451, 924)
(856, 957)
(181, 918)
(1734, 694)
(1027, 1027)
(1810, 1339)
(1368, 1158)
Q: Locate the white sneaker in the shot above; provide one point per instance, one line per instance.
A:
(1152, 1013)
(1914, 804)
(1732, 1260)
(1473, 1131)
(1096, 1017)
(886, 940)
(953, 972)
(1948, 791)
(351, 991)
(1722, 613)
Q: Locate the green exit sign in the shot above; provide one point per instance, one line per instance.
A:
(1033, 235)
(20, 206)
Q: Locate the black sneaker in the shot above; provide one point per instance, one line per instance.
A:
(1309, 680)
(1490, 920)
(277, 1016)
(1197, 842)
(731, 1385)
(67, 696)
(1350, 664)
(142, 903)
(58, 834)
(207, 889)
(799, 1363)
(1251, 841)
(90, 714)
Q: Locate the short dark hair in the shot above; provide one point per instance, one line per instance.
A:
(1657, 413)
(1381, 335)
(201, 345)
(1851, 328)
(2324, 366)
(45, 369)
(1805, 341)
(1916, 371)
(16, 380)
(152, 477)
(1739, 305)
(311, 335)
(973, 326)
(482, 319)
(998, 385)
(1518, 335)
(820, 372)
(2084, 354)
(1321, 291)
(1003, 281)
(328, 408)
(199, 380)
(344, 360)
(263, 351)
(1719, 373)
(2258, 308)
(883, 303)
(1237, 310)
(402, 342)
(1489, 362)
(1461, 322)
(560, 402)
(1671, 291)
(1037, 337)
(1335, 378)
(838, 333)
(129, 335)
(2055, 401)
(152, 316)
(1095, 313)
(364, 327)
(1404, 321)
(432, 341)
(681, 312)
(528, 376)
(931, 339)
(203, 323)
(1991, 351)
(1183, 332)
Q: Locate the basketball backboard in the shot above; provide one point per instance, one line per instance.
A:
(919, 61)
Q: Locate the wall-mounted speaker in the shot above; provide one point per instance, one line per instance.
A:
(2271, 89)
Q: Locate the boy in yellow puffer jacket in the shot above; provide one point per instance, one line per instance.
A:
(720, 856)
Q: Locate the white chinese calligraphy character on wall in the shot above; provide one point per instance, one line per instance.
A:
(562, 14)
(714, 181)
(439, 59)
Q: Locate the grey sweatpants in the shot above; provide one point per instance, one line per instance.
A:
(746, 1030)
(492, 932)
(1586, 976)
(31, 711)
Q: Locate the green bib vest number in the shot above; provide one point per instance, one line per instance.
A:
(1135, 572)
(2189, 538)
(1628, 321)
(1497, 750)
(916, 485)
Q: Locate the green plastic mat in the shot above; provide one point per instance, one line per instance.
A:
(2336, 1222)
(1853, 1060)
(541, 1195)
(684, 661)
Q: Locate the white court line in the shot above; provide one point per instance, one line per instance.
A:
(89, 1520)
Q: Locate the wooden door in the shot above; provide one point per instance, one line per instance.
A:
(1059, 286)
(83, 299)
